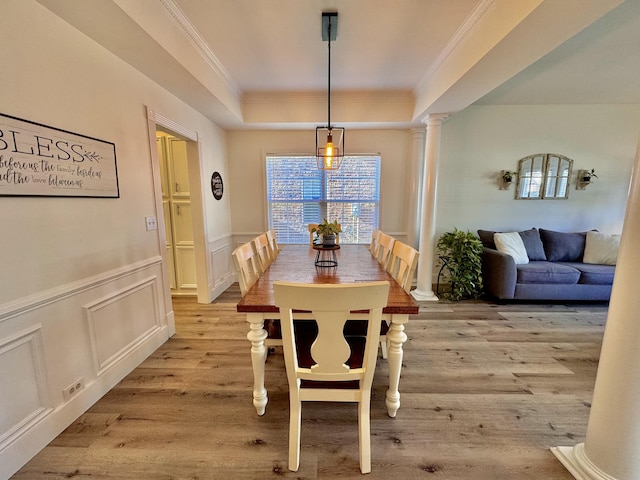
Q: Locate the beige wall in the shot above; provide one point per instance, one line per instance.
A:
(247, 150)
(83, 295)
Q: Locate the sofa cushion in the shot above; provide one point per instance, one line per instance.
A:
(530, 238)
(533, 244)
(547, 272)
(591, 274)
(601, 248)
(511, 243)
(563, 247)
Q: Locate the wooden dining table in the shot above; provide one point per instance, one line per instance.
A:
(296, 263)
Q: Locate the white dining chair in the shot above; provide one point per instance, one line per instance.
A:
(247, 266)
(385, 247)
(273, 243)
(311, 227)
(345, 365)
(263, 251)
(402, 264)
(373, 246)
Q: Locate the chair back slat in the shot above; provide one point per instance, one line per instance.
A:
(273, 243)
(373, 246)
(385, 247)
(263, 251)
(247, 266)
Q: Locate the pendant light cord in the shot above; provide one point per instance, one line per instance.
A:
(329, 82)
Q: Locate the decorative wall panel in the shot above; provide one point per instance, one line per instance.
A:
(23, 389)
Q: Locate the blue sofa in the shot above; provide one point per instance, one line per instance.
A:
(555, 270)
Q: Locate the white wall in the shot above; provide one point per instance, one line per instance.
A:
(83, 295)
(483, 140)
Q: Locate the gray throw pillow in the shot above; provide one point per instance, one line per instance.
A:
(486, 237)
(563, 247)
(533, 244)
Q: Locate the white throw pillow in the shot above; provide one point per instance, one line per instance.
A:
(511, 243)
(601, 248)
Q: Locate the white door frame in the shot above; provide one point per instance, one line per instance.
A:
(156, 120)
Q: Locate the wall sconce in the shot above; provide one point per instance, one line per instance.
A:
(506, 179)
(585, 177)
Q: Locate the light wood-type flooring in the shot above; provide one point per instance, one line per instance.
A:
(486, 389)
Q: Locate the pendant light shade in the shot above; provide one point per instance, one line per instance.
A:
(329, 139)
(329, 147)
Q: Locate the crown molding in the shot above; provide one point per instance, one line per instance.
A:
(469, 24)
(199, 43)
(362, 96)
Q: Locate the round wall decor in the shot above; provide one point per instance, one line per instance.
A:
(217, 187)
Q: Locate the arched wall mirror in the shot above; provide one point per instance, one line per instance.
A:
(543, 176)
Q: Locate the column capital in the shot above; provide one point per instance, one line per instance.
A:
(435, 119)
(418, 131)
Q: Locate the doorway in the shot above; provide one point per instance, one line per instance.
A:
(176, 207)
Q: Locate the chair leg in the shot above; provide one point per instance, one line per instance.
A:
(364, 434)
(383, 346)
(295, 412)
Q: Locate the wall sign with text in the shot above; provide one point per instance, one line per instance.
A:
(217, 187)
(38, 160)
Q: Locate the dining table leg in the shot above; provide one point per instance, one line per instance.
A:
(395, 338)
(257, 335)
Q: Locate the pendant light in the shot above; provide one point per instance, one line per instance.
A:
(329, 139)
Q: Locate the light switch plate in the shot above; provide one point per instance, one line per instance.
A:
(152, 224)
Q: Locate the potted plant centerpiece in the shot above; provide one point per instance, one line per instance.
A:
(328, 231)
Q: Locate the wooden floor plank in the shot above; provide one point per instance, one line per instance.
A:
(486, 389)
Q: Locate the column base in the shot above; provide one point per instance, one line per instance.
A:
(575, 460)
(424, 296)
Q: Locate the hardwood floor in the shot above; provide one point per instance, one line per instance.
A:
(486, 389)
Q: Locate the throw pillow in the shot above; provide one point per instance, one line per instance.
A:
(533, 244)
(601, 248)
(563, 247)
(486, 237)
(511, 243)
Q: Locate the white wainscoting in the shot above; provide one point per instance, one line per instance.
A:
(91, 333)
(112, 329)
(25, 395)
(222, 271)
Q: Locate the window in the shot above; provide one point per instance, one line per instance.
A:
(545, 175)
(298, 194)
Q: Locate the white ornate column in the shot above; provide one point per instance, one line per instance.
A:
(424, 291)
(415, 170)
(611, 450)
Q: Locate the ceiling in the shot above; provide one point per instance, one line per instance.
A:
(263, 64)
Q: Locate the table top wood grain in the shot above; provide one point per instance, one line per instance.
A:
(295, 263)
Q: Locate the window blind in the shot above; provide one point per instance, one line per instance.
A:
(298, 194)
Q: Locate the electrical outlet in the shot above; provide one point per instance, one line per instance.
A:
(72, 389)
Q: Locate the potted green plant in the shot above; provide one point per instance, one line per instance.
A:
(508, 176)
(587, 174)
(460, 253)
(327, 231)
